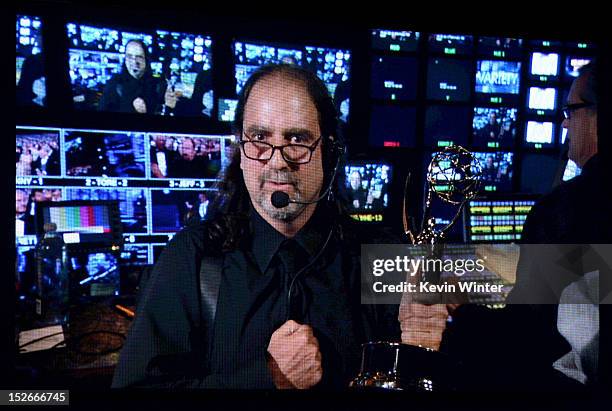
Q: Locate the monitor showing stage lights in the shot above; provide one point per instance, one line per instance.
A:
(499, 219)
(366, 191)
(395, 40)
(497, 82)
(140, 72)
(449, 79)
(539, 134)
(544, 67)
(332, 65)
(542, 100)
(394, 78)
(494, 127)
(30, 78)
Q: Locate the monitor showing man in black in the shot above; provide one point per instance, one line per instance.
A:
(134, 89)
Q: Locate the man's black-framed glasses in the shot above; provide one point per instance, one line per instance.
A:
(292, 153)
(569, 108)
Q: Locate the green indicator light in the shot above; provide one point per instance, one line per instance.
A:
(394, 47)
(546, 43)
(582, 45)
(392, 96)
(540, 112)
(496, 99)
(448, 50)
(499, 53)
(443, 143)
(538, 146)
(543, 78)
(492, 144)
(447, 98)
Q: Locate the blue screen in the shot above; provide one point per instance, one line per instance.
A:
(498, 77)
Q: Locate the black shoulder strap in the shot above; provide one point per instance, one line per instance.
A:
(210, 281)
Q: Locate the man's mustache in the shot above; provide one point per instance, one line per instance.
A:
(277, 176)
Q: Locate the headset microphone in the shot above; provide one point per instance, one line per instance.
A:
(280, 199)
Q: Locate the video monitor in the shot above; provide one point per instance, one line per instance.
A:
(330, 64)
(498, 220)
(140, 71)
(367, 190)
(83, 223)
(37, 152)
(129, 168)
(571, 170)
(446, 125)
(539, 134)
(541, 100)
(500, 47)
(392, 126)
(30, 79)
(449, 79)
(544, 66)
(227, 109)
(497, 170)
(573, 64)
(538, 172)
(394, 78)
(395, 41)
(185, 156)
(132, 204)
(451, 44)
(104, 153)
(95, 275)
(173, 209)
(494, 127)
(498, 81)
(27, 202)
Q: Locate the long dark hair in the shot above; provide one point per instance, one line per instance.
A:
(229, 223)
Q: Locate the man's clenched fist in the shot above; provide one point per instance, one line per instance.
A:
(295, 359)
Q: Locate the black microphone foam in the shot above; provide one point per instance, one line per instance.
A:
(280, 199)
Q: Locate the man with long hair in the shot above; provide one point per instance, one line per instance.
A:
(134, 89)
(286, 305)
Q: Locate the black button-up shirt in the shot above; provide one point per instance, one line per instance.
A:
(252, 304)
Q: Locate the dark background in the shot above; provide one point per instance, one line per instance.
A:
(323, 25)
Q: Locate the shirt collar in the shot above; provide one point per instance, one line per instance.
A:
(267, 241)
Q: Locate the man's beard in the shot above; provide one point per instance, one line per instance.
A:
(292, 210)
